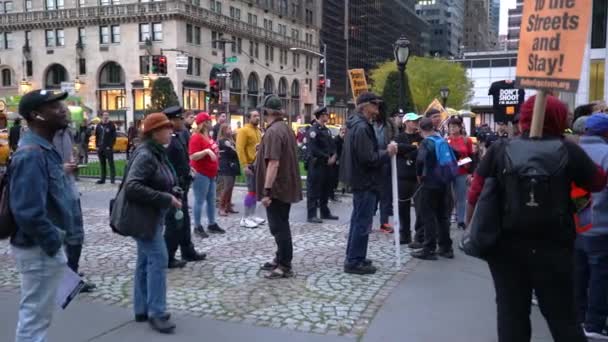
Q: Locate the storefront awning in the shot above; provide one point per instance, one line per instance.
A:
(194, 84)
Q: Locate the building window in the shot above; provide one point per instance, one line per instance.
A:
(309, 38)
(296, 60)
(28, 38)
(197, 35)
(60, 37)
(216, 6)
(235, 13)
(50, 38)
(28, 5)
(115, 34)
(596, 80)
(104, 35)
(283, 30)
(268, 24)
(6, 40)
(188, 33)
(598, 26)
(196, 3)
(82, 35)
(215, 36)
(197, 67)
(82, 66)
(269, 53)
(144, 65)
(239, 45)
(233, 46)
(252, 19)
(295, 34)
(8, 6)
(6, 78)
(54, 4)
(144, 32)
(194, 99)
(157, 32)
(308, 17)
(283, 56)
(82, 3)
(190, 66)
(29, 68)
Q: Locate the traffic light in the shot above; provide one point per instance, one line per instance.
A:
(159, 65)
(214, 91)
(321, 90)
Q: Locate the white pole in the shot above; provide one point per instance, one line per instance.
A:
(396, 211)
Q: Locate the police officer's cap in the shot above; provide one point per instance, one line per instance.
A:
(174, 112)
(321, 111)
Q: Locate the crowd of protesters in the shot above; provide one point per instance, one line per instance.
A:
(540, 254)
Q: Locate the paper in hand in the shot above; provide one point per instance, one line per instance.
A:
(465, 161)
(69, 287)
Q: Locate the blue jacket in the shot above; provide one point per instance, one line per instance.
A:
(39, 202)
(597, 149)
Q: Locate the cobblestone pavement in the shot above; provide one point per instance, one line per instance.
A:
(229, 285)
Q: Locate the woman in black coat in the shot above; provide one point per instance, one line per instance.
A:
(229, 168)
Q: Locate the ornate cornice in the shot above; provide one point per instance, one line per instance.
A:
(144, 12)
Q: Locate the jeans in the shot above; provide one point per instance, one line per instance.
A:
(433, 207)
(361, 220)
(460, 194)
(150, 283)
(278, 222)
(518, 270)
(106, 155)
(204, 191)
(40, 277)
(591, 257)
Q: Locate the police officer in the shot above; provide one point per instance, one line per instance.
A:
(321, 156)
(177, 231)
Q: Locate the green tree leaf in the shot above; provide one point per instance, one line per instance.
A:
(162, 95)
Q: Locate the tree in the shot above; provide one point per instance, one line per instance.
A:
(390, 94)
(425, 76)
(162, 95)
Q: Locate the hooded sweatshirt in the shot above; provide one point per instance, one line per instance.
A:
(597, 149)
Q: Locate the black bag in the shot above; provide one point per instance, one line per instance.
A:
(8, 227)
(537, 190)
(484, 229)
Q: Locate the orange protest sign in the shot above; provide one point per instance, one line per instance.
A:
(358, 83)
(438, 106)
(552, 44)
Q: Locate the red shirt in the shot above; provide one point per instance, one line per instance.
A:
(205, 166)
(463, 146)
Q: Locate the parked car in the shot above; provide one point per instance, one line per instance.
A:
(120, 145)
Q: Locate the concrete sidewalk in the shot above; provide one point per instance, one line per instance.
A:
(445, 300)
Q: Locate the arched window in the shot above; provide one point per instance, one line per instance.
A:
(55, 74)
(235, 79)
(268, 85)
(295, 89)
(7, 79)
(283, 87)
(252, 83)
(112, 75)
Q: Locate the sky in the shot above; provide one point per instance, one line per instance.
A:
(504, 14)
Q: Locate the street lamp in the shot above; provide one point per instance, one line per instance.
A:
(402, 55)
(320, 55)
(146, 81)
(445, 93)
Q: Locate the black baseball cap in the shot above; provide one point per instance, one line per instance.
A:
(321, 111)
(368, 97)
(174, 112)
(37, 98)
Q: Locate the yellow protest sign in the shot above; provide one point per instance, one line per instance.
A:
(552, 44)
(438, 106)
(358, 83)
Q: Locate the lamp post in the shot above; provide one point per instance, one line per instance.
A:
(445, 93)
(402, 55)
(324, 59)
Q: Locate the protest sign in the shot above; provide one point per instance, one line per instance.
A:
(551, 48)
(358, 83)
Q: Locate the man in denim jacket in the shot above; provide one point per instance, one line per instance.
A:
(42, 209)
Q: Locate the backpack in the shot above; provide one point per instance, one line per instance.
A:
(446, 168)
(537, 189)
(8, 227)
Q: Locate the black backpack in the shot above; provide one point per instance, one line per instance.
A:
(536, 186)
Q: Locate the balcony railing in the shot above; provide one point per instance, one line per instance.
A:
(134, 11)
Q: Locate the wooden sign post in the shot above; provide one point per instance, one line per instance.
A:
(551, 48)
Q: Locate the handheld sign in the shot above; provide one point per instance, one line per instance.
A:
(551, 48)
(358, 82)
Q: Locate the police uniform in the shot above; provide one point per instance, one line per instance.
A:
(177, 232)
(320, 147)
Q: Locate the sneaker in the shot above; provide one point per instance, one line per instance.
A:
(88, 288)
(248, 223)
(174, 263)
(424, 255)
(314, 220)
(163, 324)
(449, 254)
(215, 229)
(387, 228)
(257, 220)
(596, 335)
(360, 269)
(99, 182)
(194, 256)
(405, 239)
(200, 231)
